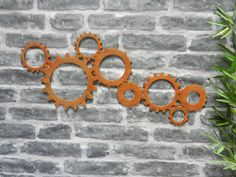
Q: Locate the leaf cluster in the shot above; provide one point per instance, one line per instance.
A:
(223, 138)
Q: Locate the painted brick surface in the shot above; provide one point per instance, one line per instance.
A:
(106, 139)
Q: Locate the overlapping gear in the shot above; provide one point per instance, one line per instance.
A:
(35, 45)
(178, 103)
(83, 37)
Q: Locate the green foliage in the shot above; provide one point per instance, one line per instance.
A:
(223, 138)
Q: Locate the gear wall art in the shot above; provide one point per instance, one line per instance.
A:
(178, 103)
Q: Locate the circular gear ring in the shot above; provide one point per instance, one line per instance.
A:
(68, 103)
(39, 46)
(182, 121)
(129, 102)
(148, 84)
(89, 36)
(112, 52)
(184, 97)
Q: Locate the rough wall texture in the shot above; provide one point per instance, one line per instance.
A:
(36, 139)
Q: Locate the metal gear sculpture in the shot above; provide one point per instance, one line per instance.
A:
(178, 103)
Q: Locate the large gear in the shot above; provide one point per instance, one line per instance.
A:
(184, 97)
(148, 84)
(38, 45)
(112, 52)
(121, 94)
(68, 103)
(89, 36)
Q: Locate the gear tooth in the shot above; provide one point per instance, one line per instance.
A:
(65, 106)
(75, 107)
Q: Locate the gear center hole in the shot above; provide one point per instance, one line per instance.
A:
(178, 115)
(193, 98)
(161, 92)
(129, 94)
(88, 46)
(34, 57)
(112, 67)
(69, 82)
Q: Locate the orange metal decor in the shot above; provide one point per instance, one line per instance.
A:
(179, 102)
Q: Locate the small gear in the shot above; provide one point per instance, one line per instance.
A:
(148, 84)
(68, 103)
(184, 97)
(112, 52)
(121, 94)
(78, 43)
(39, 46)
(171, 116)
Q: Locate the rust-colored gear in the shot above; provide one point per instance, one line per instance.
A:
(78, 43)
(38, 45)
(148, 84)
(121, 94)
(184, 97)
(68, 103)
(112, 52)
(171, 116)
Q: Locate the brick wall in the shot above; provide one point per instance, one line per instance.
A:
(107, 139)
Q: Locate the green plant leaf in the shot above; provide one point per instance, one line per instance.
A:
(233, 129)
(221, 32)
(217, 23)
(220, 149)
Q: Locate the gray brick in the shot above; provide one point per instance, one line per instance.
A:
(74, 76)
(138, 5)
(187, 23)
(143, 115)
(96, 167)
(108, 41)
(154, 42)
(180, 135)
(68, 4)
(67, 21)
(8, 148)
(50, 40)
(145, 151)
(8, 58)
(52, 149)
(106, 96)
(17, 131)
(46, 167)
(16, 4)
(195, 62)
(207, 115)
(211, 100)
(175, 169)
(94, 114)
(55, 131)
(19, 77)
(97, 150)
(33, 95)
(145, 61)
(22, 21)
(217, 171)
(2, 113)
(202, 5)
(14, 175)
(130, 22)
(44, 114)
(8, 95)
(187, 79)
(112, 132)
(204, 43)
(16, 165)
(197, 152)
